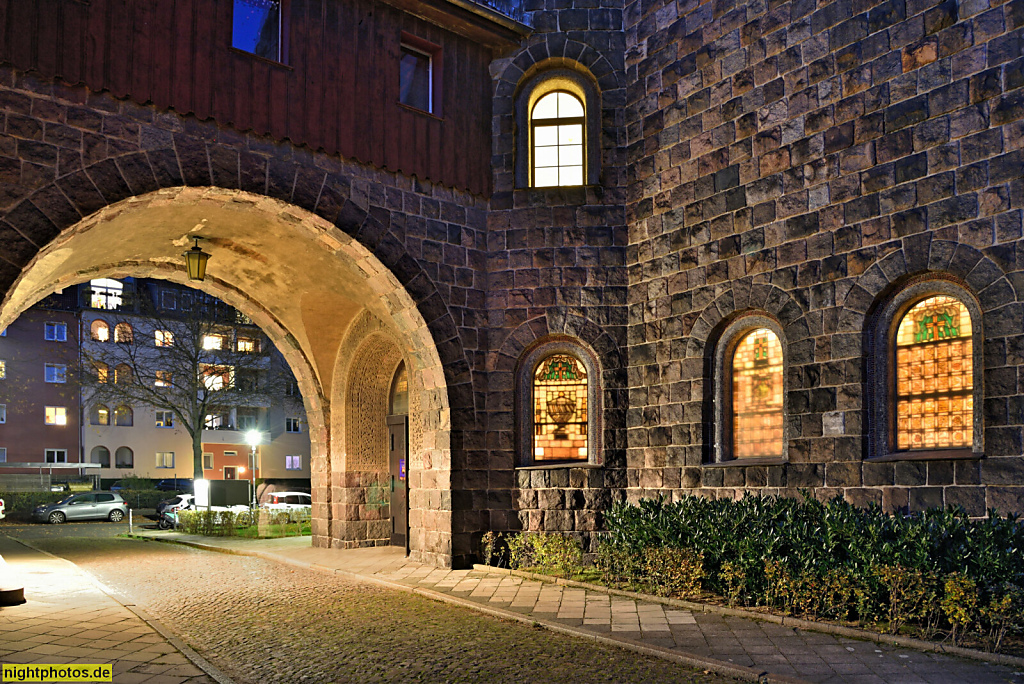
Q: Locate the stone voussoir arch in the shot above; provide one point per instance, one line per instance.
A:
(557, 322)
(982, 274)
(36, 220)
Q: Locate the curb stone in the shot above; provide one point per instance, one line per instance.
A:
(186, 650)
(739, 672)
(807, 625)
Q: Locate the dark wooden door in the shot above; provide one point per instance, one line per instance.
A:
(398, 460)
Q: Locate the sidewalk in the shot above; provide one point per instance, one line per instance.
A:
(746, 648)
(67, 618)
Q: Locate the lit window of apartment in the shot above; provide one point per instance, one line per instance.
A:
(3, 413)
(3, 369)
(55, 332)
(247, 345)
(56, 415)
(165, 459)
(213, 342)
(165, 419)
(105, 293)
(292, 425)
(217, 421)
(56, 455)
(164, 338)
(163, 378)
(55, 372)
(293, 462)
(216, 377)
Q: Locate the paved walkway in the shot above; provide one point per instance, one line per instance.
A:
(67, 618)
(749, 648)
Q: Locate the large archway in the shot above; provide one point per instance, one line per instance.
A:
(312, 288)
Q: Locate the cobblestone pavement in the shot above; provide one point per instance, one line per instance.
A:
(68, 619)
(263, 621)
(763, 646)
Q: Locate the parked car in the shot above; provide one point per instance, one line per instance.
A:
(175, 484)
(296, 504)
(175, 503)
(1, 509)
(118, 486)
(90, 506)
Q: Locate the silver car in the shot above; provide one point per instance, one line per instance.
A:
(90, 506)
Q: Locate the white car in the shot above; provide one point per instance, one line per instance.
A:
(1, 509)
(296, 504)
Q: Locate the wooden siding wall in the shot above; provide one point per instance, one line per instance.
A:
(338, 92)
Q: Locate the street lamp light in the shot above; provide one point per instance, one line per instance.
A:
(252, 438)
(195, 261)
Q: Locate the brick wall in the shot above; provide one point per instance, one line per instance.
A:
(805, 160)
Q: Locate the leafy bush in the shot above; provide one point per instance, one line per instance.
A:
(550, 552)
(19, 505)
(213, 523)
(828, 559)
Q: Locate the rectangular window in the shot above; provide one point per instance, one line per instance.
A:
(55, 372)
(213, 342)
(165, 459)
(415, 79)
(256, 28)
(3, 454)
(292, 425)
(216, 377)
(3, 369)
(56, 455)
(163, 338)
(56, 415)
(163, 378)
(168, 299)
(3, 413)
(248, 420)
(293, 462)
(55, 332)
(165, 419)
(247, 345)
(207, 461)
(217, 421)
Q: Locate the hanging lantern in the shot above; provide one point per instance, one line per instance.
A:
(195, 261)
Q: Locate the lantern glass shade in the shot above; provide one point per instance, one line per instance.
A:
(195, 263)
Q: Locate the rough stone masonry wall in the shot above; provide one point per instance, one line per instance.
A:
(805, 159)
(556, 265)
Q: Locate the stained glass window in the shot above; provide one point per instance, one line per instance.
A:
(560, 410)
(557, 121)
(757, 396)
(935, 376)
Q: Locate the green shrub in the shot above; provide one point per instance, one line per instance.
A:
(19, 505)
(552, 552)
(213, 523)
(673, 572)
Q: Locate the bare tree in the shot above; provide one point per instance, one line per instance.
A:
(197, 361)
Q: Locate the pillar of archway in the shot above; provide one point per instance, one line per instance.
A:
(318, 294)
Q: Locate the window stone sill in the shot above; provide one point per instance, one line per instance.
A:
(741, 462)
(936, 455)
(557, 466)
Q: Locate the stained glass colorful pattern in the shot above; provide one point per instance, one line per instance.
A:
(560, 410)
(757, 396)
(935, 376)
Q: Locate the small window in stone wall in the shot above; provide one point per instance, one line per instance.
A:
(557, 126)
(558, 401)
(757, 396)
(935, 376)
(560, 410)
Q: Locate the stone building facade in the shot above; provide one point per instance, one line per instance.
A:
(807, 169)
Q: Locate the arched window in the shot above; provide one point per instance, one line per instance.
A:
(102, 371)
(926, 368)
(99, 415)
(558, 400)
(398, 404)
(124, 458)
(100, 331)
(750, 383)
(557, 130)
(123, 416)
(122, 374)
(123, 333)
(101, 455)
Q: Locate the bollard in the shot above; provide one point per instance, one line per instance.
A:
(129, 521)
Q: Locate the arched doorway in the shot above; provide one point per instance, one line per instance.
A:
(311, 288)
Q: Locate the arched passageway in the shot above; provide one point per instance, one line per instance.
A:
(332, 308)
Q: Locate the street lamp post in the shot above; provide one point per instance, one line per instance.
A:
(252, 438)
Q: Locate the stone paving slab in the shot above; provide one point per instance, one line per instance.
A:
(765, 647)
(68, 619)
